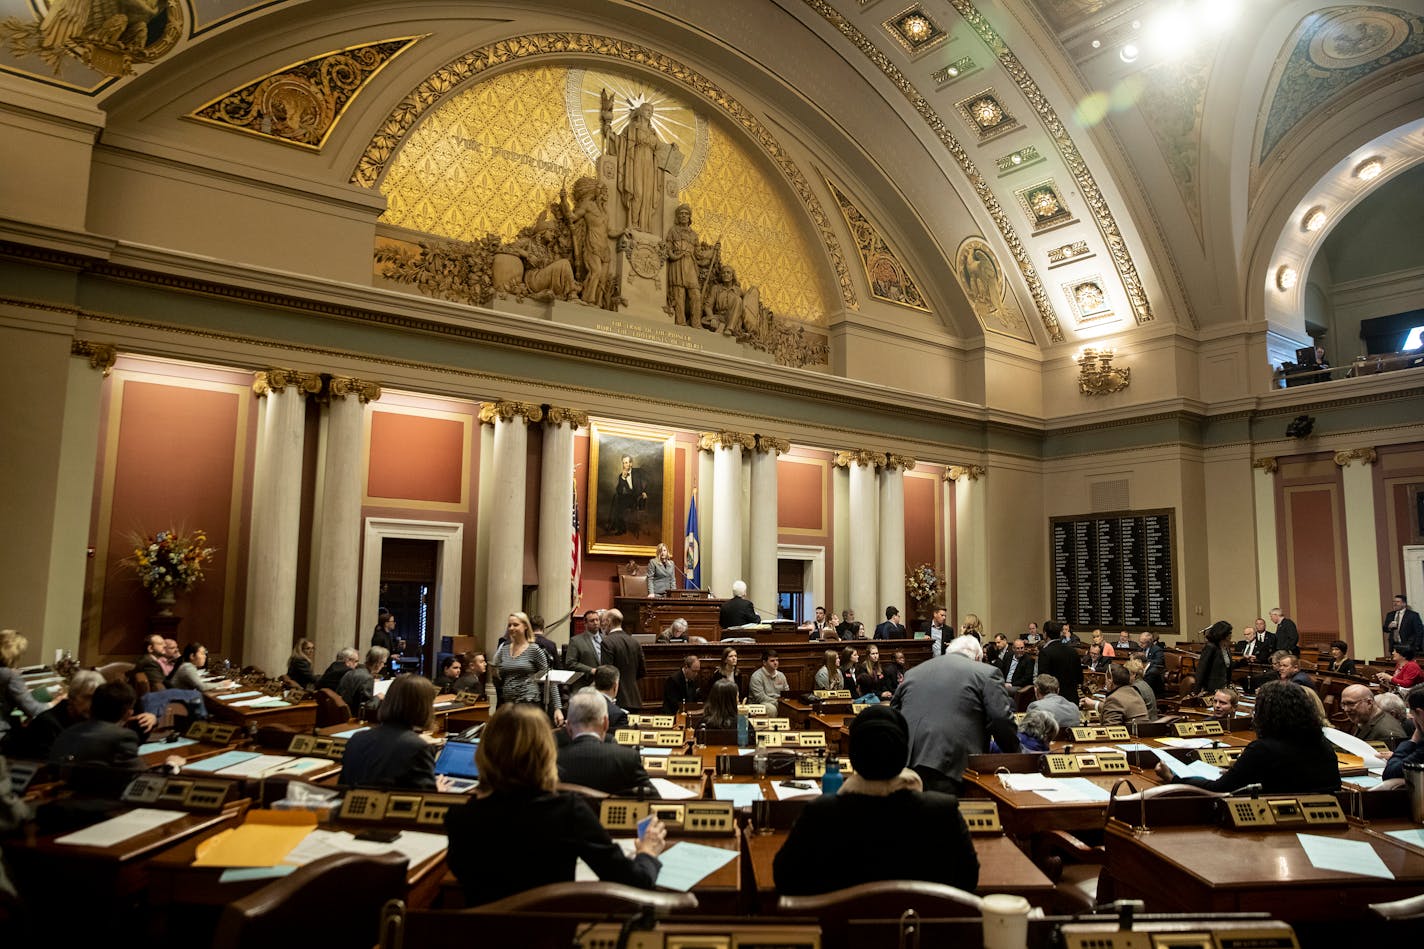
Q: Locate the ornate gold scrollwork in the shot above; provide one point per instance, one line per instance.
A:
(971, 472)
(1098, 376)
(768, 443)
(862, 457)
(902, 462)
(1345, 458)
(1267, 464)
(509, 410)
(342, 386)
(710, 441)
(100, 355)
(277, 379)
(558, 415)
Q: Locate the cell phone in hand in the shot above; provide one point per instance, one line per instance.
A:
(643, 826)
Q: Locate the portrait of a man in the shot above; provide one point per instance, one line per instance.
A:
(629, 488)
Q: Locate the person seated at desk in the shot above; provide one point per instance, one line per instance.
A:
(473, 669)
(346, 660)
(681, 689)
(102, 739)
(1018, 666)
(767, 683)
(1412, 750)
(871, 677)
(150, 664)
(1223, 703)
(1290, 753)
(450, 669)
(1287, 667)
(720, 712)
(1124, 644)
(1047, 699)
(519, 832)
(831, 632)
(1371, 722)
(847, 626)
(1104, 647)
(1036, 732)
(393, 755)
(37, 739)
(358, 686)
(605, 682)
(850, 659)
(1095, 660)
(727, 668)
(1406, 670)
(829, 675)
(881, 792)
(1124, 705)
(590, 761)
(1392, 704)
(1135, 668)
(738, 611)
(675, 633)
(188, 674)
(299, 664)
(1340, 662)
(996, 649)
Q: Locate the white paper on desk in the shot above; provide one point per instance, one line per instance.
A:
(741, 795)
(256, 767)
(1355, 746)
(686, 864)
(217, 762)
(350, 731)
(1365, 781)
(381, 687)
(1413, 836)
(116, 830)
(296, 766)
(655, 752)
(417, 846)
(583, 873)
(1181, 769)
(1026, 782)
(1188, 742)
(148, 748)
(1346, 856)
(671, 792)
(1073, 791)
(239, 695)
(560, 676)
(266, 701)
(784, 793)
(445, 704)
(1129, 746)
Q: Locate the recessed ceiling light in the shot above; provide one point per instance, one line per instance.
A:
(1314, 219)
(1285, 277)
(1017, 159)
(1097, 44)
(1369, 169)
(1137, 24)
(1128, 53)
(953, 71)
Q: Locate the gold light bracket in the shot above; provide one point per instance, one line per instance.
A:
(1098, 376)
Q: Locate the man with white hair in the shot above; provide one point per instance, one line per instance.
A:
(738, 611)
(1371, 722)
(588, 760)
(346, 660)
(953, 703)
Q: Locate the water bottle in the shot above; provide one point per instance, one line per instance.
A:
(832, 780)
(760, 760)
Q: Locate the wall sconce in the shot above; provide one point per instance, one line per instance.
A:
(1098, 376)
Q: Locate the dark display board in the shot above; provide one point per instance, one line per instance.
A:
(1115, 571)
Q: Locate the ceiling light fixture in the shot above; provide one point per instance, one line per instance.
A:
(1369, 169)
(1313, 220)
(917, 28)
(1128, 53)
(1285, 277)
(1097, 44)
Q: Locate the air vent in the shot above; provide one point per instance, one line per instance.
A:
(1110, 496)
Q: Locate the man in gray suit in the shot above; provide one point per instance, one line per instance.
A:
(584, 652)
(626, 653)
(953, 704)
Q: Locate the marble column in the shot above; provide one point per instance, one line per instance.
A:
(892, 533)
(1361, 551)
(276, 517)
(726, 559)
(864, 534)
(706, 472)
(841, 544)
(556, 501)
(971, 540)
(336, 545)
(504, 521)
(1268, 566)
(761, 577)
(483, 506)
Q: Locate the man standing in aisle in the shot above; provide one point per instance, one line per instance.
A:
(1287, 637)
(939, 635)
(626, 654)
(583, 652)
(1403, 627)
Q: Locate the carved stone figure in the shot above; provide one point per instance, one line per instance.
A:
(530, 265)
(736, 311)
(684, 253)
(591, 240)
(638, 177)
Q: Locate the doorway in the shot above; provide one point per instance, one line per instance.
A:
(408, 571)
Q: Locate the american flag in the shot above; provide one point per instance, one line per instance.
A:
(576, 568)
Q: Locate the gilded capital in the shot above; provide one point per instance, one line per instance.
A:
(277, 379)
(711, 441)
(342, 386)
(1268, 464)
(900, 462)
(100, 355)
(767, 443)
(558, 415)
(862, 457)
(509, 411)
(1346, 458)
(972, 472)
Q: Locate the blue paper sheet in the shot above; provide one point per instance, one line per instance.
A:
(241, 874)
(741, 795)
(686, 864)
(217, 762)
(1414, 836)
(1345, 856)
(152, 746)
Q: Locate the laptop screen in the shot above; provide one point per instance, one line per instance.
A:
(457, 759)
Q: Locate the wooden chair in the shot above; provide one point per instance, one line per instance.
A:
(331, 709)
(883, 899)
(632, 579)
(114, 670)
(1074, 867)
(592, 795)
(355, 883)
(600, 898)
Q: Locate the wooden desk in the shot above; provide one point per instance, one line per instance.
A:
(301, 716)
(1024, 813)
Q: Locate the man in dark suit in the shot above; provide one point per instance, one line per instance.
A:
(149, 665)
(892, 628)
(605, 681)
(1059, 659)
(1403, 627)
(630, 495)
(589, 760)
(626, 654)
(583, 653)
(102, 739)
(346, 660)
(1154, 662)
(681, 686)
(1287, 637)
(1018, 665)
(845, 629)
(738, 611)
(940, 635)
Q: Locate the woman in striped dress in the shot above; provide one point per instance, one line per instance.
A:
(522, 665)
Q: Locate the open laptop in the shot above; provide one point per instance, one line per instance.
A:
(457, 764)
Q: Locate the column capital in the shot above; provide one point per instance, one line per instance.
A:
(509, 411)
(768, 443)
(557, 415)
(277, 379)
(710, 441)
(972, 472)
(862, 457)
(100, 355)
(899, 462)
(1267, 464)
(342, 386)
(1346, 458)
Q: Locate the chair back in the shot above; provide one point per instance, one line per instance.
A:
(331, 709)
(632, 579)
(114, 670)
(882, 899)
(355, 883)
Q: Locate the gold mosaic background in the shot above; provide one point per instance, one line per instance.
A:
(492, 157)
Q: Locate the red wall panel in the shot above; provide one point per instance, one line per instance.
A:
(415, 458)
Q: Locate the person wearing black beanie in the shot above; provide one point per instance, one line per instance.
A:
(881, 792)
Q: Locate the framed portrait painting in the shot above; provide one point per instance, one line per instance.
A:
(630, 491)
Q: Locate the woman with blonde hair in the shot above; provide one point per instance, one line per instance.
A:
(299, 664)
(14, 693)
(661, 577)
(521, 666)
(972, 627)
(1107, 650)
(829, 675)
(519, 832)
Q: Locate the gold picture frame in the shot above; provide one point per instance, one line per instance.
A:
(632, 521)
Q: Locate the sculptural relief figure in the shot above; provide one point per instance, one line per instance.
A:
(531, 265)
(591, 240)
(736, 311)
(684, 254)
(640, 155)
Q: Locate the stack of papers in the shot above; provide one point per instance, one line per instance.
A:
(686, 864)
(1355, 746)
(150, 747)
(266, 701)
(262, 840)
(1188, 742)
(116, 830)
(1180, 769)
(417, 846)
(784, 793)
(1058, 790)
(239, 695)
(217, 762)
(1344, 856)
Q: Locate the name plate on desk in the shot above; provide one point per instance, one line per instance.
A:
(1314, 810)
(318, 746)
(814, 766)
(1100, 733)
(673, 766)
(657, 739)
(714, 818)
(791, 739)
(1102, 762)
(981, 815)
(1219, 757)
(652, 721)
(1195, 729)
(211, 732)
(824, 695)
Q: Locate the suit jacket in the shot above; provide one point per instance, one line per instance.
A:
(597, 764)
(845, 630)
(738, 611)
(1411, 629)
(581, 657)
(1265, 645)
(1213, 671)
(625, 652)
(1154, 661)
(889, 630)
(617, 716)
(1382, 727)
(331, 678)
(357, 689)
(952, 705)
(661, 577)
(97, 743)
(388, 756)
(1280, 767)
(1123, 706)
(1023, 673)
(1060, 660)
(148, 665)
(1287, 637)
(677, 690)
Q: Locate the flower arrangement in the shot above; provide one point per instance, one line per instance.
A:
(924, 584)
(170, 562)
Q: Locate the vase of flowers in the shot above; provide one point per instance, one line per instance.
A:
(923, 584)
(169, 563)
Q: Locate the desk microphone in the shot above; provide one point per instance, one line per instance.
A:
(1253, 789)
